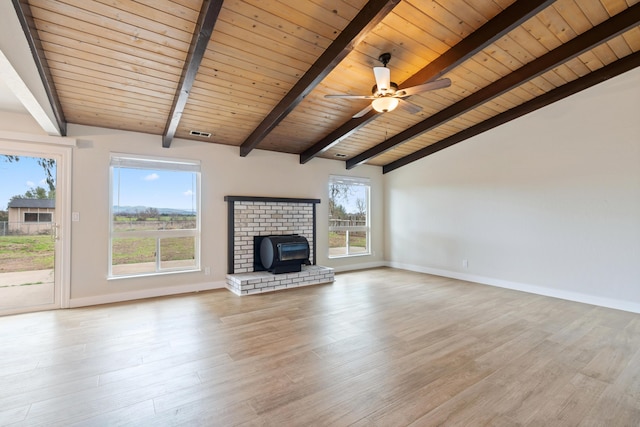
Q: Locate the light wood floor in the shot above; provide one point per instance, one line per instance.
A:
(381, 347)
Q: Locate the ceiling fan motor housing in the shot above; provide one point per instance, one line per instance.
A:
(388, 92)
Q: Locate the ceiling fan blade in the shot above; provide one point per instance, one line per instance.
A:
(383, 78)
(409, 107)
(362, 112)
(436, 84)
(350, 96)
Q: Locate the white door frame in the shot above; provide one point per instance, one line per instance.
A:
(61, 149)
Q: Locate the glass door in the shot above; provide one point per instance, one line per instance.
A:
(29, 231)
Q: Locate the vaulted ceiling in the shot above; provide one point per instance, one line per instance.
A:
(254, 73)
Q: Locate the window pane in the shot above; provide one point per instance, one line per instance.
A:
(337, 243)
(177, 252)
(357, 242)
(133, 255)
(154, 224)
(348, 216)
(149, 199)
(30, 217)
(45, 217)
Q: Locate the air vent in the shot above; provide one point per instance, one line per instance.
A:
(340, 155)
(200, 134)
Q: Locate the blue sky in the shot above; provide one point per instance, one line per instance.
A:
(151, 188)
(16, 178)
(154, 188)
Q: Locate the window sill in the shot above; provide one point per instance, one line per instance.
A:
(157, 273)
(349, 255)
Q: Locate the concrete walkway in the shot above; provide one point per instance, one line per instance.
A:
(25, 277)
(26, 289)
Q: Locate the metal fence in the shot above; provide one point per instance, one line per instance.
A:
(135, 225)
(25, 228)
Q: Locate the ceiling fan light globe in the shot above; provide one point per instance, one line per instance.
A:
(385, 104)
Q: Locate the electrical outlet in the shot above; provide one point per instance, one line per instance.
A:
(465, 263)
(75, 216)
(207, 271)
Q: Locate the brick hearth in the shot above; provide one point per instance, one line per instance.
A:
(263, 281)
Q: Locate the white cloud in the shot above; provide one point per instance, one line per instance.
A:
(30, 184)
(188, 193)
(43, 182)
(152, 177)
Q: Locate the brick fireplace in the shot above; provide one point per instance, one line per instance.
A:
(262, 216)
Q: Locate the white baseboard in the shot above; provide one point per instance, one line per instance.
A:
(362, 266)
(532, 289)
(146, 293)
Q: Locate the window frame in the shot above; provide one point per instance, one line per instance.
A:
(132, 161)
(353, 181)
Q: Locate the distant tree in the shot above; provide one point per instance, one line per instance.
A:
(337, 192)
(361, 206)
(4, 216)
(40, 193)
(148, 214)
(36, 193)
(338, 212)
(48, 165)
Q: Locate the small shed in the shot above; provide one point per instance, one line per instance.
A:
(31, 216)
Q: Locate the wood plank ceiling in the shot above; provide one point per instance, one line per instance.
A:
(258, 78)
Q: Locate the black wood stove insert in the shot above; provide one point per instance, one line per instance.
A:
(280, 254)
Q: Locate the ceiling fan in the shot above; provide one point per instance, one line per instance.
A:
(385, 95)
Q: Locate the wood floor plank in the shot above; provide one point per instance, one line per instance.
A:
(9, 415)
(135, 413)
(570, 403)
(381, 347)
(414, 405)
(613, 408)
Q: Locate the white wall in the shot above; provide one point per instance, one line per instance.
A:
(19, 122)
(548, 203)
(224, 172)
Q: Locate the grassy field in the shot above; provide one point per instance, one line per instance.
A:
(356, 239)
(138, 249)
(25, 253)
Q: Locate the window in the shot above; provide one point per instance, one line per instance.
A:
(37, 217)
(349, 230)
(155, 216)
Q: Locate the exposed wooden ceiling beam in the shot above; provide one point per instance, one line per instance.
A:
(614, 69)
(584, 42)
(370, 16)
(505, 21)
(23, 11)
(201, 36)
